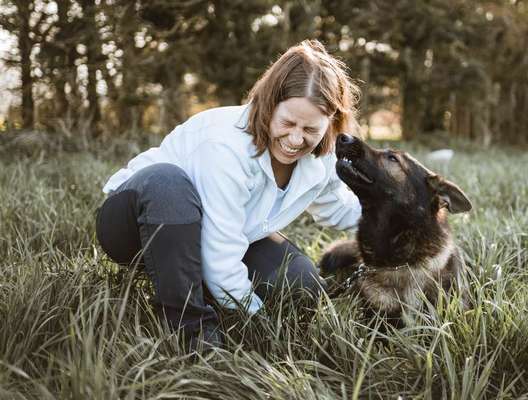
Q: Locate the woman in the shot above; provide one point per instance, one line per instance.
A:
(207, 204)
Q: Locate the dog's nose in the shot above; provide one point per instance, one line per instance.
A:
(346, 139)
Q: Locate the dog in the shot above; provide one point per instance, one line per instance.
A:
(403, 246)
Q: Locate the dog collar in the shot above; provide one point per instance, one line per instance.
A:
(364, 270)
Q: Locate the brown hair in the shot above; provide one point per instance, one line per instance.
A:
(304, 70)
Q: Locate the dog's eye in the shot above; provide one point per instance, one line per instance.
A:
(393, 158)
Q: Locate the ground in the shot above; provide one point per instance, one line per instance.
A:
(73, 326)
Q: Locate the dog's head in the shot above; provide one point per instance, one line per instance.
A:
(385, 176)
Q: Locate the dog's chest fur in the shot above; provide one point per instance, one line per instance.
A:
(385, 290)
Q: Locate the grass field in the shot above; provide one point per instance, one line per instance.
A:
(72, 326)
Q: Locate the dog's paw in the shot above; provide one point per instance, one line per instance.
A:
(343, 255)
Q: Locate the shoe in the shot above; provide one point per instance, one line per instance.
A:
(204, 339)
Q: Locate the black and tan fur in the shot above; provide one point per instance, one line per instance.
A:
(403, 240)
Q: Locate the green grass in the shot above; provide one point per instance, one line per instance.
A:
(74, 327)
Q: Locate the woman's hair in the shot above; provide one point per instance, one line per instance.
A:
(304, 70)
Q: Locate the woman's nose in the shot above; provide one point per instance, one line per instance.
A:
(296, 137)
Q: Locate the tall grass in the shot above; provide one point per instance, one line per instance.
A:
(73, 326)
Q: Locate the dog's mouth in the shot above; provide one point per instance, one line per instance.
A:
(347, 165)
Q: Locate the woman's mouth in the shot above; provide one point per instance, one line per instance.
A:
(291, 151)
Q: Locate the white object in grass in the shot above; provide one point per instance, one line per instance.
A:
(442, 155)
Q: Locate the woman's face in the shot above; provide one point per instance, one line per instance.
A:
(297, 126)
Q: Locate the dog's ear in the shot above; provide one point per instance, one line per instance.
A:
(448, 195)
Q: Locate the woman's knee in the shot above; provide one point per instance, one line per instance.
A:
(301, 273)
(166, 195)
(116, 227)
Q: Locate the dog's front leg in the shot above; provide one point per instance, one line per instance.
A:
(341, 260)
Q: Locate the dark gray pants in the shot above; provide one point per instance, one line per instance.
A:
(154, 219)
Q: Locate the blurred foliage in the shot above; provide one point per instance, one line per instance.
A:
(457, 66)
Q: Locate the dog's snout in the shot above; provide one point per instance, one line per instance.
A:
(349, 146)
(346, 139)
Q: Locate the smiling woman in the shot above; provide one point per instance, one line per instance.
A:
(207, 205)
(296, 129)
(297, 126)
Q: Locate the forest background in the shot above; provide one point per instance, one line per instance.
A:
(105, 67)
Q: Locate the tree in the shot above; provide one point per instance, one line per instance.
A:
(21, 18)
(57, 59)
(94, 59)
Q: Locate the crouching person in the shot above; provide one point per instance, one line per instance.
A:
(207, 205)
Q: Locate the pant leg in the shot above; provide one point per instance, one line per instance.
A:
(155, 217)
(117, 229)
(265, 258)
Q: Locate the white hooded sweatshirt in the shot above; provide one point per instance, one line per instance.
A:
(238, 192)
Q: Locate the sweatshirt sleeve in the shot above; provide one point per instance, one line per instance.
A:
(162, 154)
(336, 206)
(220, 179)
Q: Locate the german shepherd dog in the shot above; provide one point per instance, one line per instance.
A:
(403, 244)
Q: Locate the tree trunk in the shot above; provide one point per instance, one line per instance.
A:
(435, 106)
(365, 99)
(512, 130)
(128, 102)
(412, 94)
(463, 128)
(60, 77)
(24, 46)
(93, 56)
(481, 123)
(413, 109)
(523, 121)
(172, 108)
